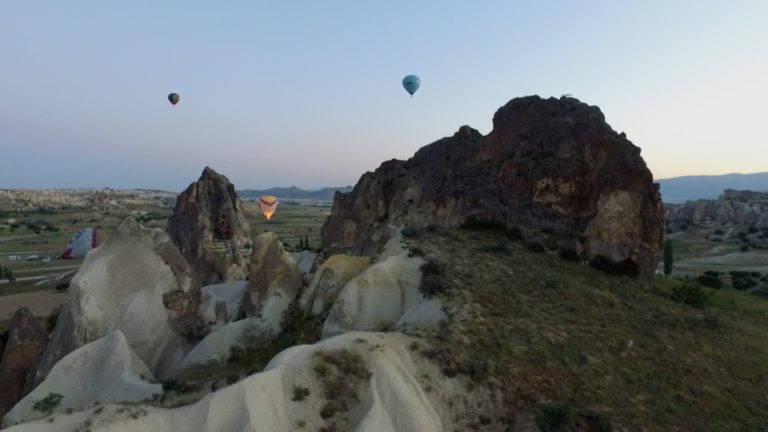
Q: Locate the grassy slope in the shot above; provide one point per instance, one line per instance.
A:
(539, 328)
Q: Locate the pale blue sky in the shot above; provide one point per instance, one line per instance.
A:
(308, 93)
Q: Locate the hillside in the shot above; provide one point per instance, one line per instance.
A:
(681, 189)
(325, 194)
(548, 334)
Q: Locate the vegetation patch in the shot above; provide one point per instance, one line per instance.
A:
(342, 373)
(47, 404)
(531, 327)
(432, 277)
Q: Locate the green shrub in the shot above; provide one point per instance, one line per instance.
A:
(561, 417)
(500, 247)
(410, 232)
(554, 417)
(596, 422)
(710, 281)
(48, 403)
(712, 273)
(299, 393)
(479, 224)
(432, 278)
(691, 294)
(51, 319)
(743, 283)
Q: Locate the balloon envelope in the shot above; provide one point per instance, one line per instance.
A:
(268, 205)
(82, 242)
(173, 98)
(411, 83)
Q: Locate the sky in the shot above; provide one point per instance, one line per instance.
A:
(309, 93)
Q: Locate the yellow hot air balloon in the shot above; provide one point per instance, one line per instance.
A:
(268, 205)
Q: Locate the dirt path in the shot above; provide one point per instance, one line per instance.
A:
(40, 303)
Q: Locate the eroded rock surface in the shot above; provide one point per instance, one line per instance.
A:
(210, 230)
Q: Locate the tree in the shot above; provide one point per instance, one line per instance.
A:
(668, 258)
(306, 242)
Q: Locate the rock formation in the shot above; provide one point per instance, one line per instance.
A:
(103, 371)
(267, 402)
(733, 207)
(120, 286)
(26, 340)
(553, 168)
(210, 230)
(378, 298)
(275, 280)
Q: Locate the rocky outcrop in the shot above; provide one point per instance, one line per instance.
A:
(275, 281)
(553, 168)
(329, 279)
(733, 207)
(275, 278)
(103, 371)
(210, 230)
(120, 286)
(26, 340)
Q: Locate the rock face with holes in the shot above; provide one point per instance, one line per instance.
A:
(210, 230)
(26, 340)
(551, 168)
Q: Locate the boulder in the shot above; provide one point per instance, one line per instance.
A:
(26, 340)
(329, 279)
(275, 281)
(120, 286)
(103, 371)
(552, 168)
(209, 228)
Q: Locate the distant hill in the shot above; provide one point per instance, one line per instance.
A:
(682, 189)
(294, 193)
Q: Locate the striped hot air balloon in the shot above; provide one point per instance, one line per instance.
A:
(268, 204)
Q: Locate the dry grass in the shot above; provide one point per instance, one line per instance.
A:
(537, 328)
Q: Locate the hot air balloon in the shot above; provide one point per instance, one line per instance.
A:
(411, 83)
(173, 98)
(268, 205)
(82, 242)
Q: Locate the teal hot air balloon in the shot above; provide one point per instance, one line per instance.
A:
(411, 83)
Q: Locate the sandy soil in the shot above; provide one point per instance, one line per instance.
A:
(41, 303)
